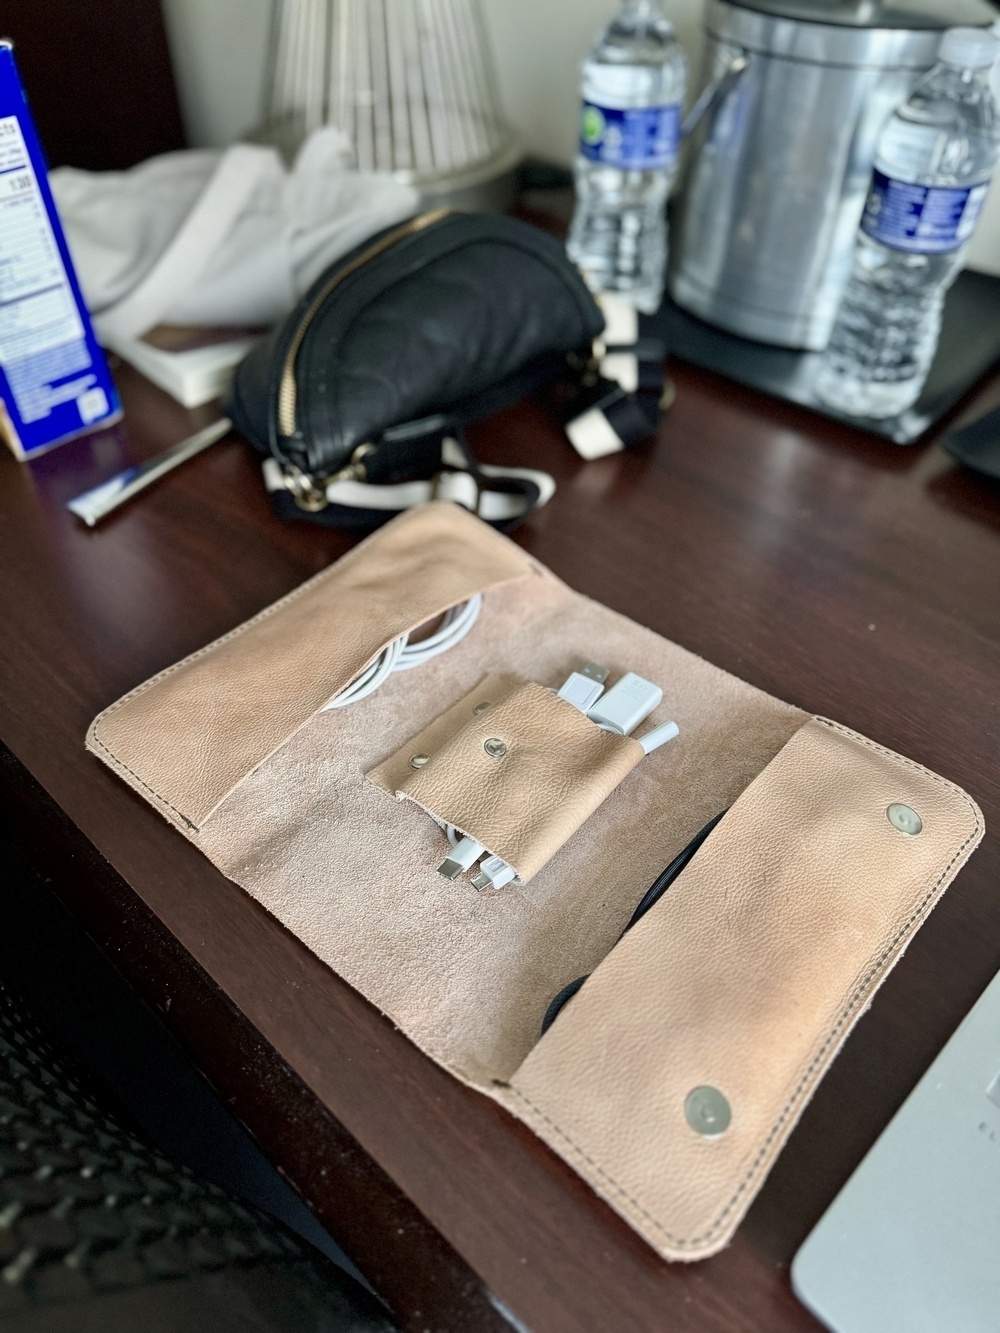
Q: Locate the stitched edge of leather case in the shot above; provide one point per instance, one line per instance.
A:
(746, 978)
(187, 737)
(555, 769)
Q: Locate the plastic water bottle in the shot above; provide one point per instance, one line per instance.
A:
(932, 169)
(633, 94)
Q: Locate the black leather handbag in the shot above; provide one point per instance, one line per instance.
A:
(359, 397)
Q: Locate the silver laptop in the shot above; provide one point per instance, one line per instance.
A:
(912, 1242)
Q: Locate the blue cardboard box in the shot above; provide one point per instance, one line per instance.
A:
(54, 379)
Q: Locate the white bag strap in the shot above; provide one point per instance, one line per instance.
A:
(353, 503)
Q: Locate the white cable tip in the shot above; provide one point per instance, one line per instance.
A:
(463, 857)
(581, 691)
(658, 736)
(494, 873)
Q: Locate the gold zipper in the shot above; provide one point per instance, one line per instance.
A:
(288, 393)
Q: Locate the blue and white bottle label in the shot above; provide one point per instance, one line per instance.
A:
(640, 139)
(921, 219)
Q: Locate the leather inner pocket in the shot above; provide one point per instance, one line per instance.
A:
(393, 772)
(189, 736)
(520, 776)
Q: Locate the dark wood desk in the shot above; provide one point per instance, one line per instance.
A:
(848, 576)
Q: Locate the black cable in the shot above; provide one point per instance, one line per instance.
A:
(649, 899)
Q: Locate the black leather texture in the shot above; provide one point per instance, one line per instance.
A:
(459, 317)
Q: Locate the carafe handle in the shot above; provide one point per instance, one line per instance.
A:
(716, 92)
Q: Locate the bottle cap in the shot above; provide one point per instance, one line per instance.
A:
(969, 48)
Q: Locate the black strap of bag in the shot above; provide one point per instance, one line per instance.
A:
(430, 460)
(619, 413)
(411, 465)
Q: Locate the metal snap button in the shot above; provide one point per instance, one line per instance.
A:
(480, 708)
(418, 760)
(903, 818)
(495, 747)
(707, 1112)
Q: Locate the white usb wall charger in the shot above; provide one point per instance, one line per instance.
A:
(628, 702)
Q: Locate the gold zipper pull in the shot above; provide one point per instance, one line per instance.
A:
(309, 493)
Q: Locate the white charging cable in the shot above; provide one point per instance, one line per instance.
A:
(463, 856)
(401, 655)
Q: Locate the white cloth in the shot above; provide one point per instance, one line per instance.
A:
(218, 239)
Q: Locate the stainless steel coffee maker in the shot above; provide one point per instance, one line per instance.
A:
(780, 161)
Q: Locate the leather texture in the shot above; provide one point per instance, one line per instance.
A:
(393, 772)
(446, 314)
(191, 734)
(746, 977)
(523, 805)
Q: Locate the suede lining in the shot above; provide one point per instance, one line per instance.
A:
(352, 871)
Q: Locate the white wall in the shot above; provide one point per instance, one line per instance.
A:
(538, 46)
(219, 49)
(984, 252)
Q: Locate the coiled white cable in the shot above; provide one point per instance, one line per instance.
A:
(401, 655)
(454, 627)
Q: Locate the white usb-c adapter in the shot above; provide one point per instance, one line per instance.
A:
(494, 873)
(652, 740)
(628, 702)
(465, 852)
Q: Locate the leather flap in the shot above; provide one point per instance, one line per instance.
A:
(551, 769)
(393, 772)
(745, 979)
(187, 737)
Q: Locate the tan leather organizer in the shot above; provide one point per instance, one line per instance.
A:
(734, 991)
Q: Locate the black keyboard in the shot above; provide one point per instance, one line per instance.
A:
(88, 1209)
